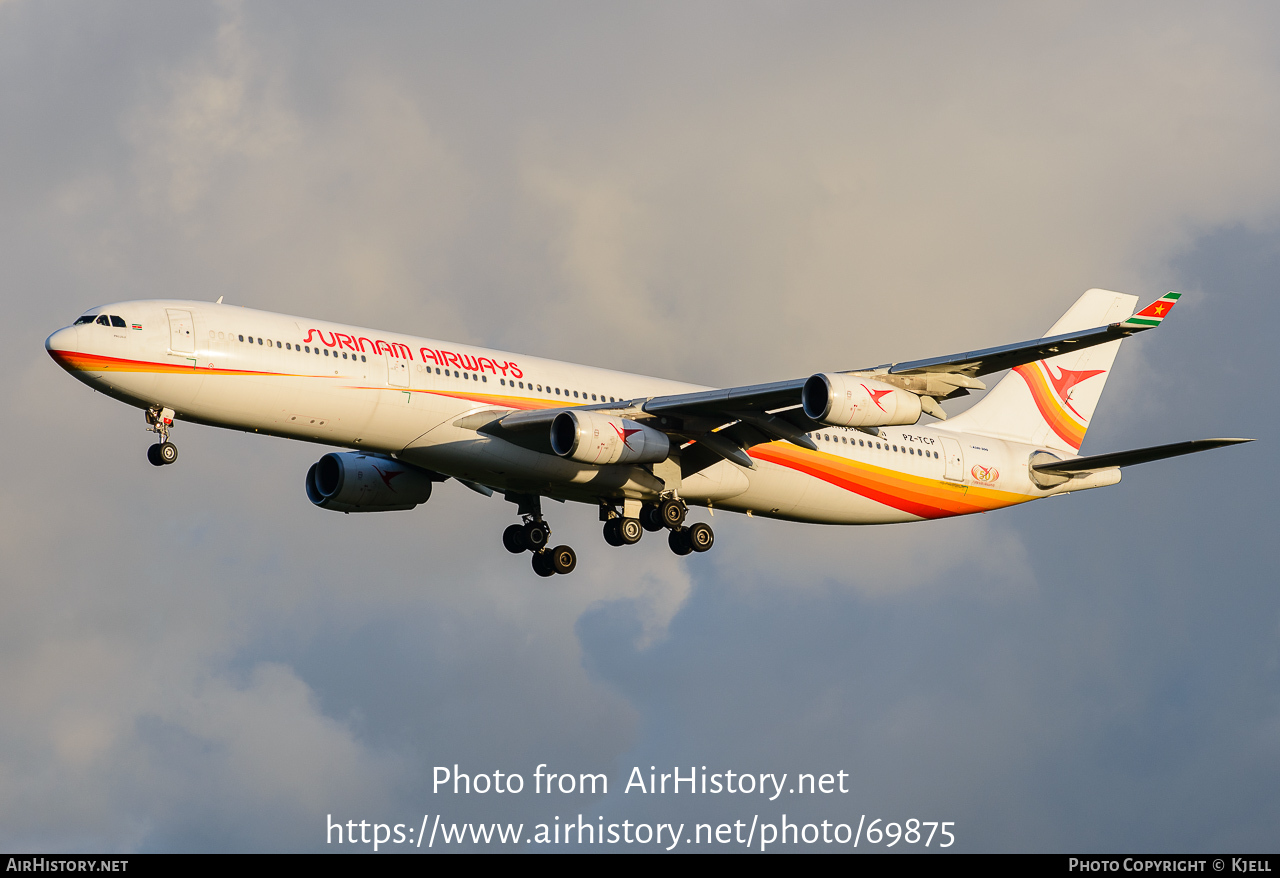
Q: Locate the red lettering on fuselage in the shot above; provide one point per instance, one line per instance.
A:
(402, 352)
(472, 364)
(351, 343)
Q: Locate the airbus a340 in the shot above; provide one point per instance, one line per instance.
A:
(834, 448)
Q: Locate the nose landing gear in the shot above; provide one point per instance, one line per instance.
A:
(533, 535)
(159, 420)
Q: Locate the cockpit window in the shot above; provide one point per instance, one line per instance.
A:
(117, 321)
(87, 318)
(102, 319)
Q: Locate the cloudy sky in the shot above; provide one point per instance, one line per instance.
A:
(195, 658)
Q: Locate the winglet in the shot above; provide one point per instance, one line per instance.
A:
(1150, 316)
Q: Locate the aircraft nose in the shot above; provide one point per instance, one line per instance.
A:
(63, 341)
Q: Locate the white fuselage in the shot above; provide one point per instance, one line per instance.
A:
(410, 397)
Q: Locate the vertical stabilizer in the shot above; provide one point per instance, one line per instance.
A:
(1050, 402)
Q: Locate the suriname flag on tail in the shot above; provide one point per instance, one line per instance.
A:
(1151, 315)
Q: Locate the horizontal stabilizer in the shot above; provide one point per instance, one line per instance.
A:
(1079, 465)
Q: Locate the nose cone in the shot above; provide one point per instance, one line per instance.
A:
(62, 344)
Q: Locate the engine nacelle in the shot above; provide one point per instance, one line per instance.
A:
(848, 401)
(591, 437)
(349, 481)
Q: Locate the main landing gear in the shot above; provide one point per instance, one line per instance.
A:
(159, 420)
(534, 535)
(669, 513)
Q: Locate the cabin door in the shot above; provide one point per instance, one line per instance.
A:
(955, 458)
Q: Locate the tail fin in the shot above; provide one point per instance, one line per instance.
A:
(1050, 402)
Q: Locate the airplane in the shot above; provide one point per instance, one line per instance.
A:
(833, 448)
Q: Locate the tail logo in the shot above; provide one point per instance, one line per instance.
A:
(875, 396)
(1067, 379)
(982, 473)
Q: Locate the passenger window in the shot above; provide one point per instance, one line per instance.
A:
(326, 352)
(241, 338)
(103, 320)
(344, 355)
(277, 344)
(259, 339)
(484, 379)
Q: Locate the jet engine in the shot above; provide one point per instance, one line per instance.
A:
(849, 401)
(349, 481)
(591, 437)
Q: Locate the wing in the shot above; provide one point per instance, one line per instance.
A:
(711, 425)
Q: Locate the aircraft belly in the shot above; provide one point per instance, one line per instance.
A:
(505, 466)
(718, 482)
(139, 387)
(777, 491)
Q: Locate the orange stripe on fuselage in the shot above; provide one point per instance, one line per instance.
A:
(1054, 414)
(915, 495)
(74, 361)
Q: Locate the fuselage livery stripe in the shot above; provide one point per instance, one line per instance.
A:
(926, 498)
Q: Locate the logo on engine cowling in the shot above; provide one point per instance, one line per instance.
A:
(984, 473)
(875, 397)
(624, 434)
(388, 476)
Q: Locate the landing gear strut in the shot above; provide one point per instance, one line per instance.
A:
(534, 535)
(159, 420)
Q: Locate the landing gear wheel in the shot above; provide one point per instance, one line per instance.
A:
(535, 534)
(611, 535)
(630, 530)
(542, 564)
(168, 452)
(678, 540)
(672, 512)
(153, 455)
(700, 537)
(513, 539)
(563, 559)
(651, 519)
